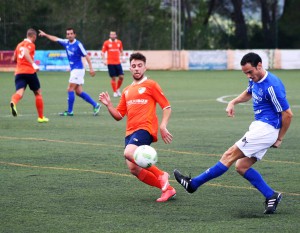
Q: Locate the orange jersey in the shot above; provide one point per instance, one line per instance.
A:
(23, 66)
(113, 49)
(138, 102)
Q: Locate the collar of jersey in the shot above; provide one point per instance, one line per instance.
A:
(72, 42)
(112, 40)
(139, 82)
(266, 74)
(27, 39)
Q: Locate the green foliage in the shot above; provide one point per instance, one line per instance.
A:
(288, 25)
(69, 175)
(144, 24)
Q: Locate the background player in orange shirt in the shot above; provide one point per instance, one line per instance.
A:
(138, 103)
(25, 74)
(114, 50)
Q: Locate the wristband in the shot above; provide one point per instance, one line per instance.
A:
(35, 66)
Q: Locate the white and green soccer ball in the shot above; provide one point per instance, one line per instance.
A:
(145, 156)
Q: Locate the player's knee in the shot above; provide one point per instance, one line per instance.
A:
(228, 158)
(134, 170)
(37, 93)
(239, 169)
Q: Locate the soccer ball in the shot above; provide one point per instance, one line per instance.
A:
(145, 156)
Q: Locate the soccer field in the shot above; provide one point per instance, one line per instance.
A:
(69, 175)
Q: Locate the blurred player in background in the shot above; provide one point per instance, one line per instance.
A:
(138, 103)
(272, 120)
(25, 74)
(114, 54)
(75, 52)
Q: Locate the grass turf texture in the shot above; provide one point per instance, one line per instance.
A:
(69, 175)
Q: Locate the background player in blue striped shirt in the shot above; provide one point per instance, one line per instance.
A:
(272, 120)
(75, 52)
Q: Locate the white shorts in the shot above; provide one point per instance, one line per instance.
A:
(77, 76)
(258, 139)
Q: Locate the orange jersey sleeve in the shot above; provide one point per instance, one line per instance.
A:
(138, 103)
(113, 50)
(23, 66)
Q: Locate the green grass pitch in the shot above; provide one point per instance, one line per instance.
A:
(69, 175)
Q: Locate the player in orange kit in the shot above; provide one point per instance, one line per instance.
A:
(25, 74)
(114, 49)
(138, 103)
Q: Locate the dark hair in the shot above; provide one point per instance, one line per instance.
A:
(251, 58)
(69, 29)
(31, 32)
(137, 56)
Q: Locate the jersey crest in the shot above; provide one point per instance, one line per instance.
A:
(141, 90)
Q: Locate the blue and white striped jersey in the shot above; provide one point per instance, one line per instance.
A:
(269, 99)
(75, 51)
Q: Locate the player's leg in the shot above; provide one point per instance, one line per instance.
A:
(39, 103)
(113, 81)
(227, 159)
(254, 145)
(243, 167)
(142, 174)
(152, 176)
(120, 80)
(34, 85)
(143, 137)
(86, 97)
(20, 83)
(147, 176)
(76, 78)
(71, 100)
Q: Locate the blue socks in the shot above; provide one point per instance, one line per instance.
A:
(71, 100)
(258, 182)
(209, 174)
(88, 99)
(217, 170)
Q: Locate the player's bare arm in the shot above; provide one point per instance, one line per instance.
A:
(50, 37)
(243, 97)
(286, 122)
(88, 59)
(103, 59)
(165, 134)
(29, 59)
(122, 58)
(14, 57)
(104, 98)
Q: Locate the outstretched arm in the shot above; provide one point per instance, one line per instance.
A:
(105, 99)
(50, 37)
(243, 97)
(165, 134)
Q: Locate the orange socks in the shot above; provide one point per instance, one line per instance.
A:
(120, 81)
(113, 85)
(39, 105)
(153, 169)
(16, 98)
(149, 178)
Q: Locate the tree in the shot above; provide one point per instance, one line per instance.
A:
(146, 24)
(289, 27)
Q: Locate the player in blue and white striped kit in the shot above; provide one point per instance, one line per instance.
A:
(272, 120)
(75, 52)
